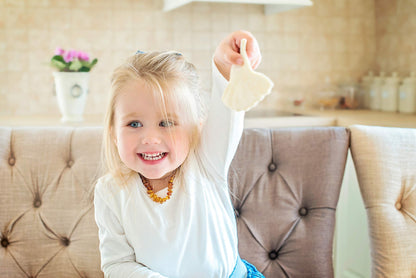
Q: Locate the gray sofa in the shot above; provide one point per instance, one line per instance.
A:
(285, 185)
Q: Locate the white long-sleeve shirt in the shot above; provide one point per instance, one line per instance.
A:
(194, 233)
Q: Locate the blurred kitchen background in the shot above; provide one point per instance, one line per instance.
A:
(335, 40)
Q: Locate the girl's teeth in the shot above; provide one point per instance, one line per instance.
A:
(153, 156)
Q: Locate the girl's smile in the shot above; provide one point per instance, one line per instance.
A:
(152, 158)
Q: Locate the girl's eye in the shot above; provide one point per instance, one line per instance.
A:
(167, 123)
(135, 124)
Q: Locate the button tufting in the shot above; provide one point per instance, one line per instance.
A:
(65, 241)
(12, 161)
(237, 213)
(303, 211)
(37, 203)
(70, 163)
(398, 206)
(4, 242)
(273, 255)
(272, 167)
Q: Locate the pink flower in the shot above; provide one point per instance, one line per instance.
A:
(59, 51)
(70, 55)
(83, 56)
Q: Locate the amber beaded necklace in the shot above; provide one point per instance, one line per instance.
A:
(153, 195)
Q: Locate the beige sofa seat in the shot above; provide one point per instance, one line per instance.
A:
(385, 161)
(285, 185)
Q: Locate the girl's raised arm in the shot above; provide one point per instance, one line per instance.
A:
(223, 128)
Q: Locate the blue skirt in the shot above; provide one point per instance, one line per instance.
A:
(245, 269)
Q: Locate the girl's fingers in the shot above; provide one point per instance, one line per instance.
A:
(233, 57)
(252, 49)
(228, 52)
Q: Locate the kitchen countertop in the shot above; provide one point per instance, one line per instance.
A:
(363, 117)
(297, 117)
(286, 119)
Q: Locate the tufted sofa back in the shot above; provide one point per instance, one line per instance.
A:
(385, 161)
(47, 226)
(285, 185)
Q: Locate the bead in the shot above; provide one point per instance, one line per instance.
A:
(152, 195)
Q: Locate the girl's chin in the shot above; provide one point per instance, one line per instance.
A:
(156, 176)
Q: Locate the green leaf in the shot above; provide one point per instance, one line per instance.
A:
(75, 65)
(86, 64)
(93, 62)
(58, 64)
(84, 69)
(58, 58)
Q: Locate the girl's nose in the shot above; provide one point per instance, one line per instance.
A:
(151, 137)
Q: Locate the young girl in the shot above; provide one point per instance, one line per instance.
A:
(164, 209)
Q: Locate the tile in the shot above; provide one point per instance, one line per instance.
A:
(181, 21)
(14, 3)
(38, 61)
(16, 39)
(202, 59)
(309, 25)
(122, 19)
(361, 8)
(238, 22)
(219, 22)
(143, 5)
(200, 22)
(323, 8)
(406, 7)
(182, 41)
(337, 38)
(142, 21)
(15, 18)
(291, 24)
(386, 7)
(256, 21)
(274, 24)
(57, 20)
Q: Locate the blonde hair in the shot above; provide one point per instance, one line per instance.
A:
(174, 81)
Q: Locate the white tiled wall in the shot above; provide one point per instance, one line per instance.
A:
(335, 38)
(396, 37)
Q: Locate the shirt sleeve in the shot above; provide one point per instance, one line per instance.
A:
(117, 256)
(222, 131)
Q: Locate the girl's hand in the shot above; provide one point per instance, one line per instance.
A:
(228, 52)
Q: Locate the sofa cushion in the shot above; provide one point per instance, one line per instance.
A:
(285, 185)
(385, 161)
(47, 226)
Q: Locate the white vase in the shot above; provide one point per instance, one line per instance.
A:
(71, 92)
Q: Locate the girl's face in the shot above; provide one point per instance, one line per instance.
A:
(148, 142)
